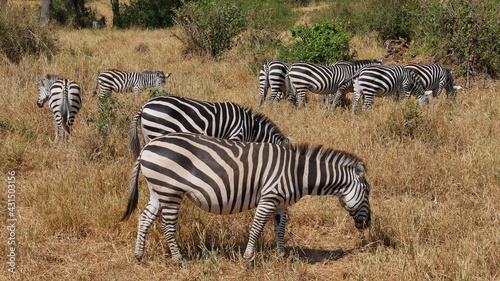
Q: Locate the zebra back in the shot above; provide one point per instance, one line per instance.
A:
(168, 114)
(123, 81)
(435, 77)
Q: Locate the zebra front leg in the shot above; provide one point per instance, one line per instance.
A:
(262, 215)
(169, 221)
(146, 219)
(279, 226)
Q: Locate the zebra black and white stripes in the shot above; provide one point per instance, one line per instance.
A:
(123, 81)
(272, 75)
(385, 80)
(226, 177)
(168, 114)
(64, 100)
(325, 80)
(435, 77)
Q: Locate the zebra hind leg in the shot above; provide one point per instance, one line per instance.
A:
(169, 221)
(279, 226)
(145, 221)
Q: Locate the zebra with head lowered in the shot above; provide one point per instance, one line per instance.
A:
(123, 81)
(385, 80)
(324, 80)
(64, 100)
(272, 75)
(227, 177)
(167, 114)
(435, 77)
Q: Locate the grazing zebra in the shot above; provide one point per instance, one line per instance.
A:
(226, 177)
(168, 114)
(322, 79)
(64, 102)
(435, 77)
(385, 80)
(122, 81)
(272, 75)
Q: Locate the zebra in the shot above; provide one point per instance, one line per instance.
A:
(435, 77)
(101, 23)
(272, 75)
(322, 79)
(123, 81)
(226, 177)
(167, 114)
(385, 80)
(64, 101)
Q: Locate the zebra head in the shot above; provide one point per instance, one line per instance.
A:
(44, 88)
(354, 198)
(160, 79)
(451, 89)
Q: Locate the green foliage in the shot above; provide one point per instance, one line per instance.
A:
(464, 33)
(147, 14)
(208, 26)
(76, 18)
(322, 43)
(19, 38)
(155, 93)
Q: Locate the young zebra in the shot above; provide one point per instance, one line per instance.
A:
(324, 80)
(122, 81)
(64, 102)
(435, 77)
(168, 114)
(227, 177)
(385, 80)
(272, 75)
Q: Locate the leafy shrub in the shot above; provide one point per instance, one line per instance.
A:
(78, 17)
(322, 43)
(208, 26)
(22, 35)
(463, 33)
(147, 14)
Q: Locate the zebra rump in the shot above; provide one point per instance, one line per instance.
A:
(272, 75)
(167, 114)
(226, 177)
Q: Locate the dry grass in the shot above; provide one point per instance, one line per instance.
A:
(435, 179)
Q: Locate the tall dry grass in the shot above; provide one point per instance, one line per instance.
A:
(434, 173)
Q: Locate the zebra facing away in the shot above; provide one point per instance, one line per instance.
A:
(64, 100)
(123, 81)
(272, 75)
(435, 77)
(385, 80)
(168, 114)
(324, 80)
(226, 177)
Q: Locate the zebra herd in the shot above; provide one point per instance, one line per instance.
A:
(365, 78)
(229, 159)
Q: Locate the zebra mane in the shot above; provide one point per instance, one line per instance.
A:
(261, 118)
(342, 157)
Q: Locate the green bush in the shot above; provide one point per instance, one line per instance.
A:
(463, 33)
(209, 26)
(148, 14)
(76, 18)
(21, 35)
(322, 43)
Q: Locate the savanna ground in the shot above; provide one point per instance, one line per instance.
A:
(435, 177)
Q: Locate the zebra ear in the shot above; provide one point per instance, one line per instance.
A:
(360, 169)
(457, 87)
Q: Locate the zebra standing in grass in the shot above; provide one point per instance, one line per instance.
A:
(385, 80)
(322, 79)
(227, 177)
(435, 77)
(272, 75)
(64, 102)
(168, 114)
(122, 81)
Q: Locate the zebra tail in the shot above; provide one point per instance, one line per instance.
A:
(65, 110)
(134, 140)
(134, 192)
(290, 89)
(96, 86)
